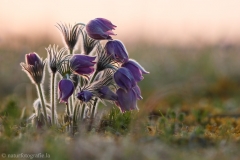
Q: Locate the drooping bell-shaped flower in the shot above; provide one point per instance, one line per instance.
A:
(85, 96)
(135, 68)
(82, 64)
(100, 29)
(126, 100)
(117, 50)
(34, 67)
(124, 79)
(65, 90)
(106, 93)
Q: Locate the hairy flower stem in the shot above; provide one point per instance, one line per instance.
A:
(83, 110)
(71, 51)
(71, 104)
(78, 109)
(94, 107)
(71, 98)
(68, 120)
(95, 100)
(53, 97)
(92, 114)
(40, 93)
(75, 118)
(68, 110)
(75, 114)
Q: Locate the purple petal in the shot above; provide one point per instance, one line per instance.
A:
(110, 32)
(100, 36)
(66, 89)
(84, 70)
(106, 22)
(101, 24)
(136, 72)
(136, 69)
(137, 91)
(124, 78)
(135, 63)
(117, 49)
(82, 64)
(82, 60)
(32, 58)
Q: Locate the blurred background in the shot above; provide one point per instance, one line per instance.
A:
(190, 47)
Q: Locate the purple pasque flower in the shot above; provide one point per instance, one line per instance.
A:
(100, 29)
(85, 95)
(124, 79)
(117, 50)
(82, 64)
(32, 59)
(34, 67)
(126, 100)
(106, 93)
(135, 68)
(65, 90)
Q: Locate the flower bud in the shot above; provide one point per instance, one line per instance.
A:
(34, 67)
(32, 59)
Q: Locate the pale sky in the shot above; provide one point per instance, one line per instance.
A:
(154, 20)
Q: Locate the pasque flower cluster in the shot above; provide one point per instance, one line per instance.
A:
(95, 73)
